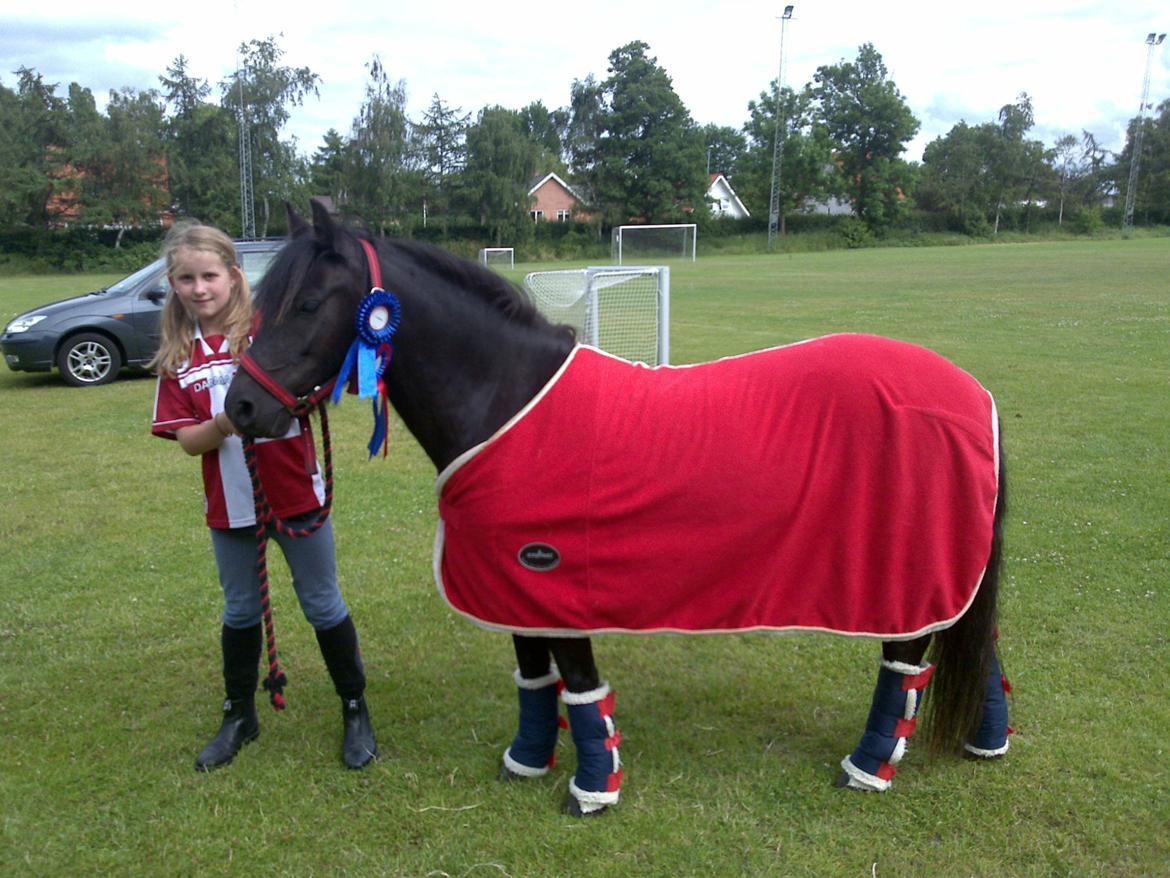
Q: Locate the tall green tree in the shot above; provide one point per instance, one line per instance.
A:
(725, 148)
(442, 144)
(583, 135)
(805, 169)
(201, 150)
(327, 168)
(1152, 191)
(652, 163)
(501, 159)
(870, 124)
(262, 91)
(383, 174)
(124, 183)
(32, 145)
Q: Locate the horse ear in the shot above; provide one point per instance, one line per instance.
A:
(297, 224)
(323, 223)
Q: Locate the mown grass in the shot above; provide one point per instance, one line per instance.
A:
(109, 617)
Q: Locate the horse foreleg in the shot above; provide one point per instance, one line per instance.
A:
(892, 716)
(589, 703)
(533, 750)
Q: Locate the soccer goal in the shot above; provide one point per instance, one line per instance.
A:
(624, 310)
(632, 243)
(501, 256)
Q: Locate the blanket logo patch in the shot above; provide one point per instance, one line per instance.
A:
(539, 557)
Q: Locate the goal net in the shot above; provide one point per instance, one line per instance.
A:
(633, 243)
(624, 310)
(504, 257)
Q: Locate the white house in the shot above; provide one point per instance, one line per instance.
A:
(723, 200)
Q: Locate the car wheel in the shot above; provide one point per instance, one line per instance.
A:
(89, 359)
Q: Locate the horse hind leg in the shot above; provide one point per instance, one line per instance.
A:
(990, 740)
(538, 683)
(893, 717)
(589, 702)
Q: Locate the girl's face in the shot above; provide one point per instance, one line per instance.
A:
(204, 285)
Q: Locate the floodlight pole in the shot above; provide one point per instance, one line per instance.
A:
(247, 202)
(1152, 40)
(774, 203)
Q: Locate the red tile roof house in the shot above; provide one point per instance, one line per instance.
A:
(553, 199)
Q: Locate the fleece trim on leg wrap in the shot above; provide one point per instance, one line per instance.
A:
(992, 738)
(892, 720)
(598, 780)
(533, 750)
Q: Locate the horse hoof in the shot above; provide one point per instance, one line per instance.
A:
(573, 808)
(844, 782)
(508, 776)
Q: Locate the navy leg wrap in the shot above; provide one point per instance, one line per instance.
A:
(533, 750)
(598, 780)
(892, 720)
(992, 738)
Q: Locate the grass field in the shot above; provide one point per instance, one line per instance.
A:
(109, 679)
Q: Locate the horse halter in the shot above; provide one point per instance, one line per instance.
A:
(300, 406)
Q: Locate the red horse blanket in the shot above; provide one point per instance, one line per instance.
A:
(843, 484)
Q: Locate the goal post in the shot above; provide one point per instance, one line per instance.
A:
(497, 256)
(671, 241)
(624, 310)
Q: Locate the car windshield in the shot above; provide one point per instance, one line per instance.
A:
(129, 283)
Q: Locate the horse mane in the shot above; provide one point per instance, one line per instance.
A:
(291, 268)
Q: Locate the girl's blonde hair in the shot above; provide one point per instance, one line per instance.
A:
(178, 327)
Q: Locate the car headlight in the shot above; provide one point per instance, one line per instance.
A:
(24, 324)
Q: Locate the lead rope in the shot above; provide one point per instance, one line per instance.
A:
(276, 680)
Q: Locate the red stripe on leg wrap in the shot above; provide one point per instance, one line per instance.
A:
(886, 771)
(605, 705)
(905, 727)
(612, 742)
(917, 681)
(615, 782)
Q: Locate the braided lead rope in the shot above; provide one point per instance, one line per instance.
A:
(276, 679)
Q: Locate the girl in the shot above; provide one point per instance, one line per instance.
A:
(205, 324)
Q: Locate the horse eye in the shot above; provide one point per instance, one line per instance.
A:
(310, 306)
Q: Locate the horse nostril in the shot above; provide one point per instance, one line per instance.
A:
(242, 412)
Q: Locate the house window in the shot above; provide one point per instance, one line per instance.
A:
(537, 215)
(563, 215)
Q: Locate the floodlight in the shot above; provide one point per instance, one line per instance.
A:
(788, 14)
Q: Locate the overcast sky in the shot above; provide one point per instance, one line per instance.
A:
(1083, 63)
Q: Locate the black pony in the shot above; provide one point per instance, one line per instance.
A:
(869, 501)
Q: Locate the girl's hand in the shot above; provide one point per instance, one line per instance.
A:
(224, 424)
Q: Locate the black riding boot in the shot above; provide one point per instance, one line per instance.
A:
(241, 657)
(339, 646)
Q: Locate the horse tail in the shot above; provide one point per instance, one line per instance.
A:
(963, 653)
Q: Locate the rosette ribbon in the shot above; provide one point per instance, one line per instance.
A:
(378, 317)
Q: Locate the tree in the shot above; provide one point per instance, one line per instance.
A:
(583, 135)
(201, 151)
(500, 161)
(806, 155)
(262, 90)
(870, 124)
(382, 179)
(725, 149)
(32, 140)
(442, 144)
(124, 180)
(327, 169)
(1152, 191)
(1069, 165)
(651, 162)
(546, 128)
